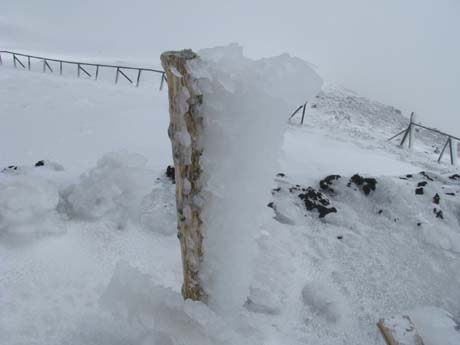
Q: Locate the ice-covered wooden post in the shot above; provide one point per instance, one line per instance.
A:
(185, 130)
(225, 165)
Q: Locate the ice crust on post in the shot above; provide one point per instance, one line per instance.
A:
(244, 108)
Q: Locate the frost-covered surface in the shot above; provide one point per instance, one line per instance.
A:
(65, 279)
(241, 97)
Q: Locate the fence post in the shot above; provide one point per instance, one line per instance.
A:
(1, 61)
(116, 75)
(444, 149)
(303, 112)
(28, 63)
(138, 77)
(453, 151)
(14, 60)
(162, 81)
(411, 131)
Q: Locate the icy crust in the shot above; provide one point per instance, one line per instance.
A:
(245, 105)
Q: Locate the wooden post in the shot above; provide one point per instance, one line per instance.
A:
(444, 149)
(303, 112)
(411, 131)
(453, 151)
(405, 135)
(185, 131)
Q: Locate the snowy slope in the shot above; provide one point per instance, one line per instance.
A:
(94, 259)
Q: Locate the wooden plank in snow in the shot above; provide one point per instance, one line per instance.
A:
(399, 330)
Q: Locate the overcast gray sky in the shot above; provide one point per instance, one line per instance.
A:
(405, 53)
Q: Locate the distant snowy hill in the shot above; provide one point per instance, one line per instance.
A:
(89, 253)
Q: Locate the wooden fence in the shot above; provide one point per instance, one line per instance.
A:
(25, 61)
(409, 135)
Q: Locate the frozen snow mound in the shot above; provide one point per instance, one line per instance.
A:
(113, 190)
(27, 204)
(161, 312)
(241, 99)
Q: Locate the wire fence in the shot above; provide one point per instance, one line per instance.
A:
(451, 142)
(82, 69)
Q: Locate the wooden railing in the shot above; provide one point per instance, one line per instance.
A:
(26, 61)
(409, 134)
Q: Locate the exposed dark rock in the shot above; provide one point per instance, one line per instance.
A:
(449, 193)
(422, 184)
(380, 211)
(419, 224)
(171, 173)
(40, 163)
(281, 175)
(271, 205)
(339, 237)
(316, 200)
(455, 177)
(436, 199)
(367, 184)
(419, 191)
(314, 106)
(276, 189)
(423, 173)
(327, 182)
(10, 168)
(438, 213)
(409, 175)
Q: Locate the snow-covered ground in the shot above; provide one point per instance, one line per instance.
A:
(89, 253)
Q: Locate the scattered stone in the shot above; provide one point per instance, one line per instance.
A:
(403, 178)
(367, 184)
(380, 211)
(49, 164)
(276, 189)
(436, 199)
(271, 205)
(423, 173)
(281, 175)
(419, 224)
(316, 200)
(327, 182)
(438, 213)
(419, 191)
(314, 106)
(409, 175)
(10, 168)
(455, 177)
(171, 173)
(450, 193)
(339, 237)
(422, 184)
